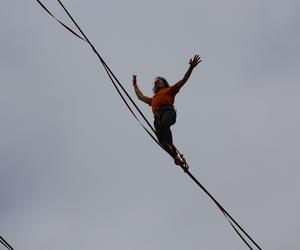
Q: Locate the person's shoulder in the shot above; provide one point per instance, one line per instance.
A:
(174, 88)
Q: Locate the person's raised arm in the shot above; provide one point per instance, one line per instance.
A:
(138, 92)
(193, 63)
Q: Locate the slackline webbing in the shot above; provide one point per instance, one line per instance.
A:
(5, 243)
(116, 83)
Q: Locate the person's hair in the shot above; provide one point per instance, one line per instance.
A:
(166, 84)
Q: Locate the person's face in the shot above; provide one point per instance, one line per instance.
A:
(159, 84)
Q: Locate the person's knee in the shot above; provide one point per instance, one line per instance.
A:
(168, 120)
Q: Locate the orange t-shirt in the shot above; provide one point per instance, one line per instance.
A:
(165, 96)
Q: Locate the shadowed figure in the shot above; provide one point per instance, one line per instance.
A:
(162, 103)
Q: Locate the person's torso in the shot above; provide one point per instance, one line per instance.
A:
(163, 97)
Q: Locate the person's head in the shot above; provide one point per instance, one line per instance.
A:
(160, 83)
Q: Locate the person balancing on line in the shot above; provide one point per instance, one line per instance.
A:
(163, 110)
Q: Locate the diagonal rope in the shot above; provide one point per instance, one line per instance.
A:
(113, 78)
(5, 243)
(226, 214)
(68, 28)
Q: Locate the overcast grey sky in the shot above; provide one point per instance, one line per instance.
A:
(78, 172)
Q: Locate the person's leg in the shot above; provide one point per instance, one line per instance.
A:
(158, 130)
(164, 134)
(167, 120)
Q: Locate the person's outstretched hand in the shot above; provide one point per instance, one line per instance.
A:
(134, 80)
(195, 61)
